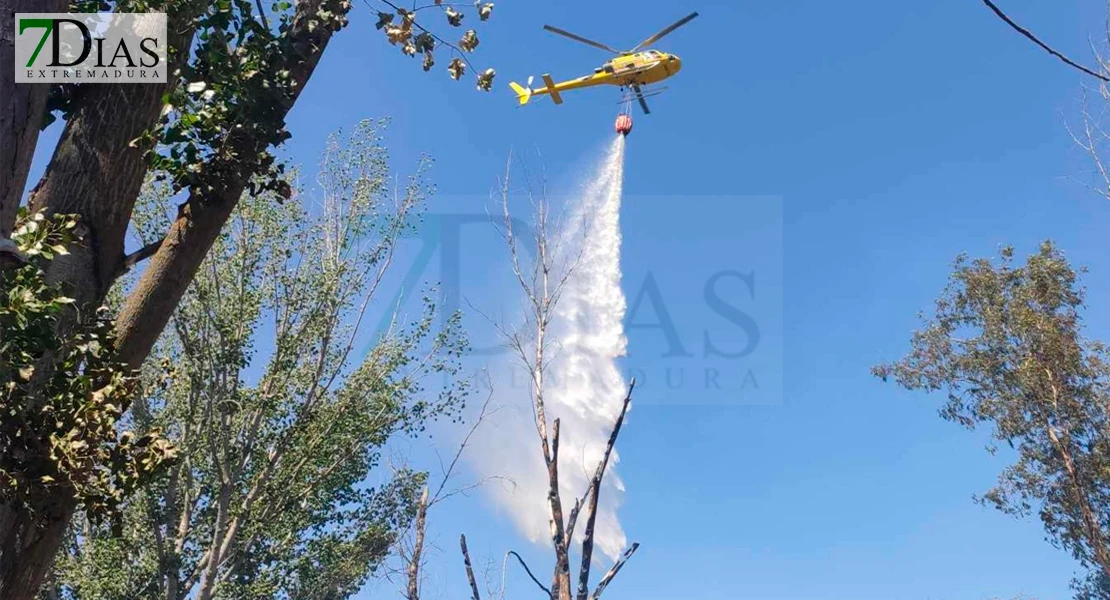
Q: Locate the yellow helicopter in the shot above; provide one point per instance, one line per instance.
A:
(631, 69)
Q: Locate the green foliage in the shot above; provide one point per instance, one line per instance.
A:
(1005, 346)
(231, 102)
(238, 84)
(58, 429)
(281, 404)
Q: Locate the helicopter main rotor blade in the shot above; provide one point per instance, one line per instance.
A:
(655, 38)
(640, 97)
(581, 39)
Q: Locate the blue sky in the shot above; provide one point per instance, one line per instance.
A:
(896, 136)
(891, 137)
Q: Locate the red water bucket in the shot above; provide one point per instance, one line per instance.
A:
(623, 124)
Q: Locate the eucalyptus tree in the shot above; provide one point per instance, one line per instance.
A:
(278, 409)
(1005, 347)
(236, 68)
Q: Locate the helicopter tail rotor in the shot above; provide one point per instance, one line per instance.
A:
(523, 94)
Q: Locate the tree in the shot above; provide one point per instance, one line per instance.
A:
(236, 69)
(272, 494)
(1005, 346)
(68, 444)
(543, 281)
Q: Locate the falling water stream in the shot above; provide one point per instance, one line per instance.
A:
(584, 387)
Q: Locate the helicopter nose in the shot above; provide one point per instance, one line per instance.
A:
(674, 64)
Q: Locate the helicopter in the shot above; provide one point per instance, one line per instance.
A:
(630, 69)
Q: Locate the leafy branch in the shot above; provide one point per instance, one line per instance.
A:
(414, 38)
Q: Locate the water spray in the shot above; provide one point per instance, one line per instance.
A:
(586, 387)
(588, 326)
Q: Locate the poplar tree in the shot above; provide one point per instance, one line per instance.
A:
(235, 70)
(279, 400)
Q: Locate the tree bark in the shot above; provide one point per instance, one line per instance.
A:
(22, 108)
(469, 570)
(151, 303)
(28, 543)
(560, 583)
(1076, 487)
(149, 307)
(208, 579)
(96, 173)
(594, 495)
(417, 547)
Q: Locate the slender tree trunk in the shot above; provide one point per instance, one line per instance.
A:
(594, 496)
(418, 547)
(469, 570)
(212, 569)
(560, 584)
(1095, 538)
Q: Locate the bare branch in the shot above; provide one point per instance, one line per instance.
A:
(1028, 34)
(595, 492)
(439, 494)
(613, 571)
(469, 569)
(141, 254)
(529, 572)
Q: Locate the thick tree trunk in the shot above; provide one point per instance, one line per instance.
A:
(18, 107)
(27, 546)
(149, 307)
(96, 173)
(22, 108)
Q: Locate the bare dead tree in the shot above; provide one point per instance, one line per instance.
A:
(543, 282)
